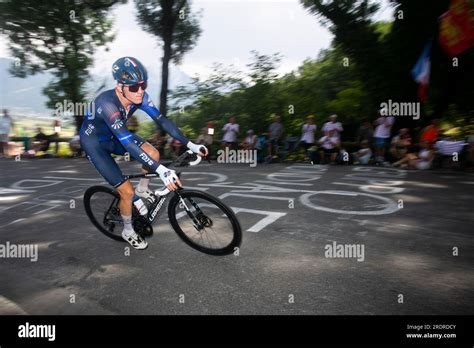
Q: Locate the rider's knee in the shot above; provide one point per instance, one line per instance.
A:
(126, 190)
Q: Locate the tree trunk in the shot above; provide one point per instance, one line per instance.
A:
(167, 38)
(164, 76)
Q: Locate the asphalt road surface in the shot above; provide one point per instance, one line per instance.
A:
(317, 240)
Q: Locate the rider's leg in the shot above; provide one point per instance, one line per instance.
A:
(99, 154)
(126, 193)
(153, 153)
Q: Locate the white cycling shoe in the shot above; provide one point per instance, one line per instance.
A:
(134, 240)
(147, 195)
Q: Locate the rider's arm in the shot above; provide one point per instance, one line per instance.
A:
(116, 124)
(165, 123)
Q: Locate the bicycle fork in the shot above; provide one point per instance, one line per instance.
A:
(197, 224)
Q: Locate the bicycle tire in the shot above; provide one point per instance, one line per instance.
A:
(87, 205)
(237, 230)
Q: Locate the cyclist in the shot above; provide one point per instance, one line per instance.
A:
(104, 133)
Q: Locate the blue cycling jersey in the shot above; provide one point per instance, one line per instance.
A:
(107, 120)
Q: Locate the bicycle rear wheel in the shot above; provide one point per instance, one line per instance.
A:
(101, 205)
(204, 222)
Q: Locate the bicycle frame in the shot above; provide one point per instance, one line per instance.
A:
(161, 194)
(183, 203)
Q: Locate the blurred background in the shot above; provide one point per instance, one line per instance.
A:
(211, 60)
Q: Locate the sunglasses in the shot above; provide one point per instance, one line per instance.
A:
(136, 87)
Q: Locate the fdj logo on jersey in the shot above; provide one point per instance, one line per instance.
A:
(146, 159)
(89, 130)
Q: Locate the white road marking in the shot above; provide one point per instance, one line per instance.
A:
(282, 183)
(269, 219)
(4, 190)
(63, 171)
(44, 183)
(390, 205)
(219, 177)
(228, 194)
(13, 222)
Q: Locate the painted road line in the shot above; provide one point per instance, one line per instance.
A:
(269, 219)
(282, 183)
(13, 222)
(389, 207)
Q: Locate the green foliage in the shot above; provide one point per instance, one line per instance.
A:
(159, 17)
(146, 130)
(60, 36)
(320, 87)
(176, 27)
(368, 63)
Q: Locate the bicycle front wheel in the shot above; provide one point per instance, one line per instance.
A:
(204, 222)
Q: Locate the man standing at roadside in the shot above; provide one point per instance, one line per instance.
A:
(6, 124)
(381, 136)
(275, 132)
(231, 130)
(333, 125)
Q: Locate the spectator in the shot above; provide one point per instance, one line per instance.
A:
(308, 129)
(6, 124)
(169, 150)
(365, 132)
(75, 146)
(250, 141)
(381, 136)
(364, 154)
(205, 138)
(177, 147)
(275, 132)
(260, 147)
(421, 161)
(446, 149)
(231, 130)
(333, 125)
(400, 144)
(40, 141)
(430, 133)
(158, 142)
(54, 138)
(133, 124)
(329, 144)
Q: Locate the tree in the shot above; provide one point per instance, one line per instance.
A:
(209, 99)
(350, 22)
(60, 36)
(319, 87)
(175, 24)
(385, 54)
